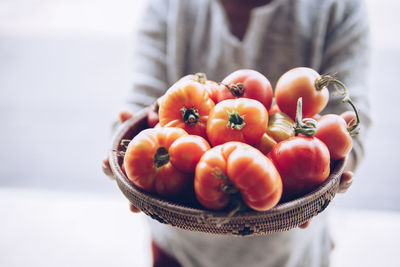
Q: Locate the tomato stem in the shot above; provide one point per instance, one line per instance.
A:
(161, 157)
(235, 121)
(235, 198)
(190, 116)
(305, 126)
(352, 128)
(236, 89)
(201, 77)
(227, 187)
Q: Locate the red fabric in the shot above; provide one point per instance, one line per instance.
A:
(161, 258)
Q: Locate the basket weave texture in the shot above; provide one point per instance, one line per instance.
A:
(282, 217)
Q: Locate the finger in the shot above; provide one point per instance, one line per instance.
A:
(305, 225)
(106, 168)
(125, 115)
(133, 208)
(345, 181)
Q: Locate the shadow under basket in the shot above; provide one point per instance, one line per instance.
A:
(282, 217)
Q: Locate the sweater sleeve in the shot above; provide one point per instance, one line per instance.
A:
(346, 53)
(149, 56)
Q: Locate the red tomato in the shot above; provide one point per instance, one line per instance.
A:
(301, 82)
(186, 105)
(152, 116)
(303, 163)
(240, 119)
(332, 130)
(236, 168)
(249, 84)
(152, 164)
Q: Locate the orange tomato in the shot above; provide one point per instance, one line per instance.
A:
(186, 152)
(210, 86)
(152, 163)
(236, 170)
(240, 119)
(186, 105)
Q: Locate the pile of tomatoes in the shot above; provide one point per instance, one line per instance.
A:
(229, 143)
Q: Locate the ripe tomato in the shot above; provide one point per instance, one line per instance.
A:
(186, 152)
(186, 105)
(332, 130)
(303, 163)
(301, 82)
(152, 164)
(152, 115)
(249, 84)
(210, 86)
(240, 119)
(232, 169)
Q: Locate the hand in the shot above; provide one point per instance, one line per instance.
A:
(345, 181)
(123, 116)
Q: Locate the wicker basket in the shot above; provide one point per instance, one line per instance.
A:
(282, 217)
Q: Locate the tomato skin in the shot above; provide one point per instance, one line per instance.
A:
(189, 96)
(274, 109)
(210, 86)
(152, 116)
(140, 164)
(186, 152)
(255, 85)
(242, 167)
(280, 127)
(296, 83)
(221, 128)
(303, 163)
(332, 130)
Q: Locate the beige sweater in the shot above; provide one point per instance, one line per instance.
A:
(178, 37)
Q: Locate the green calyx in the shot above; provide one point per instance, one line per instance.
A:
(237, 89)
(227, 187)
(235, 121)
(201, 77)
(190, 116)
(161, 157)
(306, 126)
(325, 80)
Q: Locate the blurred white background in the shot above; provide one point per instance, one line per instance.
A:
(65, 69)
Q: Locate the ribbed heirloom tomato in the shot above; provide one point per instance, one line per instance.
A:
(163, 160)
(234, 170)
(186, 105)
(210, 86)
(240, 119)
(246, 83)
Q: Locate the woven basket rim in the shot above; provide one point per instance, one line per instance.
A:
(126, 185)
